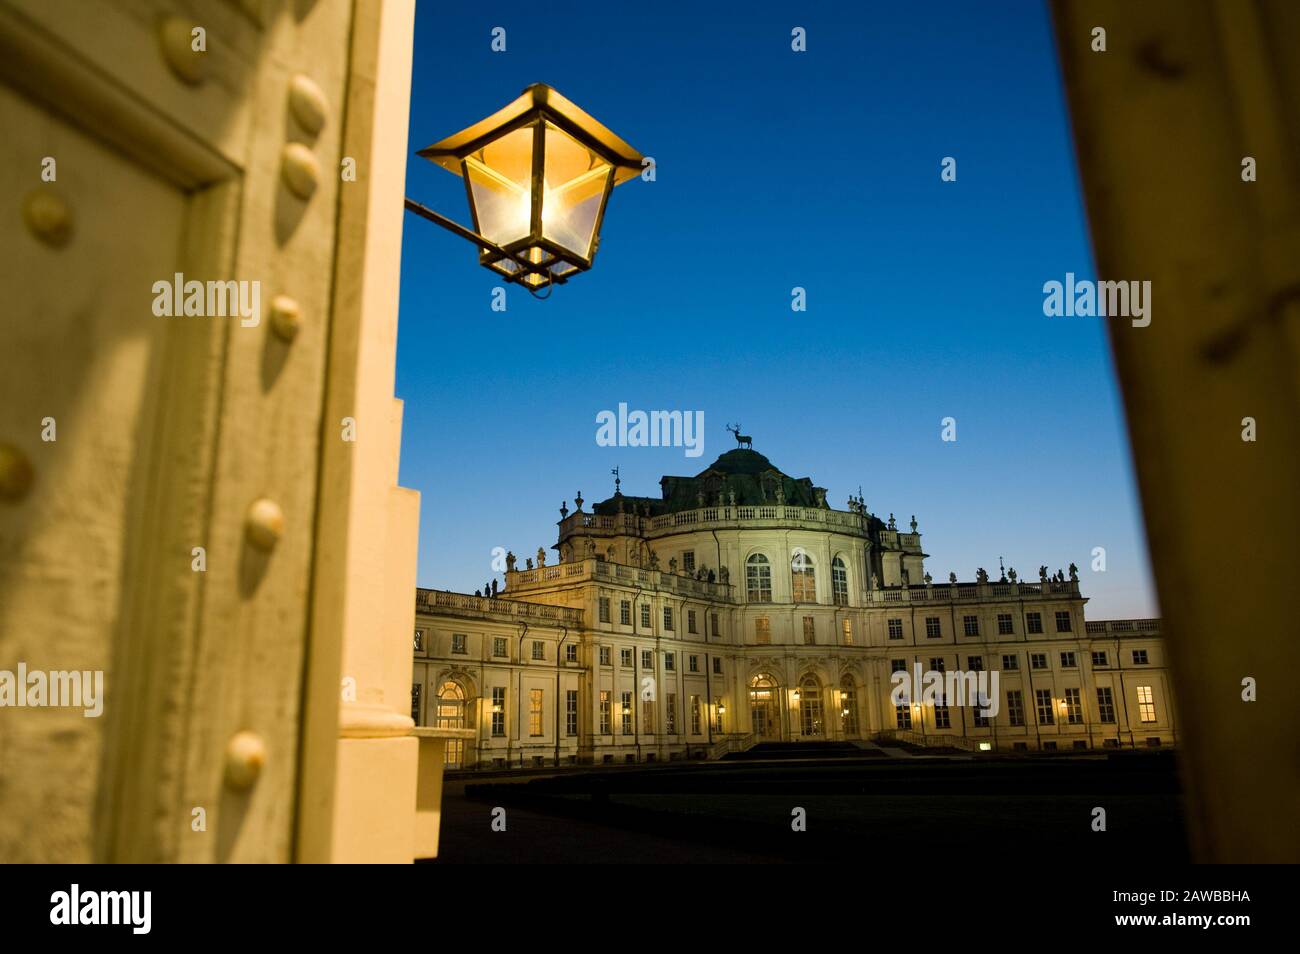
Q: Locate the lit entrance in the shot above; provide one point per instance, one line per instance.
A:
(762, 708)
(451, 715)
(810, 708)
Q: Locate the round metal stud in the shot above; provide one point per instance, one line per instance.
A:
(307, 103)
(264, 524)
(245, 756)
(286, 317)
(300, 170)
(15, 473)
(175, 37)
(48, 217)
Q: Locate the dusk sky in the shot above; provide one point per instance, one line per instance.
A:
(777, 169)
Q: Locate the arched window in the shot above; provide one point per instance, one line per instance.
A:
(810, 706)
(848, 707)
(758, 579)
(840, 582)
(451, 715)
(803, 579)
(762, 707)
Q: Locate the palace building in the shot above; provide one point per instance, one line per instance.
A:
(738, 608)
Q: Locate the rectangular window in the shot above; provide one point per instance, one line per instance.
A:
(645, 615)
(695, 715)
(1146, 704)
(693, 663)
(933, 628)
(1043, 698)
(762, 630)
(981, 720)
(604, 655)
(647, 659)
(970, 625)
(415, 702)
(717, 631)
(903, 717)
(670, 662)
(1139, 657)
(897, 665)
(936, 664)
(458, 641)
(668, 619)
(419, 640)
(809, 631)
(1073, 707)
(718, 707)
(1033, 623)
(571, 712)
(625, 612)
(498, 711)
(670, 713)
(647, 717)
(942, 718)
(1004, 624)
(1105, 705)
(717, 665)
(1011, 661)
(571, 653)
(627, 713)
(1015, 707)
(604, 609)
(534, 712)
(1068, 661)
(1099, 660)
(895, 628)
(625, 658)
(688, 562)
(690, 622)
(500, 647)
(1063, 621)
(1038, 660)
(848, 632)
(539, 649)
(975, 663)
(604, 712)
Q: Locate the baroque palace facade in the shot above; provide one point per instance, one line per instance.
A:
(739, 608)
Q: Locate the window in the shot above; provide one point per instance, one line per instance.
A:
(1105, 705)
(758, 579)
(1099, 660)
(1063, 621)
(810, 707)
(933, 628)
(668, 619)
(604, 655)
(942, 717)
(903, 717)
(1038, 660)
(625, 612)
(539, 649)
(645, 615)
(499, 646)
(1004, 624)
(848, 708)
(1068, 661)
(688, 561)
(762, 630)
(897, 665)
(415, 702)
(809, 631)
(975, 663)
(647, 659)
(670, 713)
(498, 711)
(717, 666)
(1146, 704)
(571, 653)
(1073, 707)
(690, 622)
(1015, 707)
(803, 578)
(625, 658)
(981, 721)
(1043, 698)
(419, 640)
(718, 708)
(1033, 623)
(936, 664)
(695, 715)
(895, 628)
(693, 663)
(970, 625)
(627, 713)
(604, 712)
(571, 712)
(839, 582)
(458, 641)
(670, 662)
(534, 712)
(1011, 662)
(1139, 657)
(848, 632)
(603, 602)
(717, 631)
(647, 716)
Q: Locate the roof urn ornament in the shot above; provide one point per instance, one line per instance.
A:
(914, 523)
(564, 509)
(577, 501)
(952, 579)
(892, 525)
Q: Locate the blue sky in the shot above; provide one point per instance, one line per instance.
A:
(777, 169)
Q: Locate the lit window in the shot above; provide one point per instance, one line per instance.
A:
(604, 712)
(571, 712)
(762, 630)
(695, 715)
(498, 710)
(758, 579)
(803, 578)
(848, 632)
(670, 713)
(534, 712)
(627, 713)
(1146, 704)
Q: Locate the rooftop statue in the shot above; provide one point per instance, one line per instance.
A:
(1074, 573)
(981, 575)
(914, 523)
(742, 440)
(511, 560)
(541, 557)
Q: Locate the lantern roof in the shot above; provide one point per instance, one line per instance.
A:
(542, 100)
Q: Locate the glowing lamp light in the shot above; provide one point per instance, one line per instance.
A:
(538, 173)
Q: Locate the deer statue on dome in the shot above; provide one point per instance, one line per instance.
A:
(743, 441)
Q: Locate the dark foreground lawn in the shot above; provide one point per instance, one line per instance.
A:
(961, 810)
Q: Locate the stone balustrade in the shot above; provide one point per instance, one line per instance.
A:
(434, 601)
(987, 592)
(1123, 627)
(520, 581)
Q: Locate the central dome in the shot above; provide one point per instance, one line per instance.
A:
(740, 461)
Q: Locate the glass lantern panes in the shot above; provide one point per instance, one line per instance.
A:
(575, 183)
